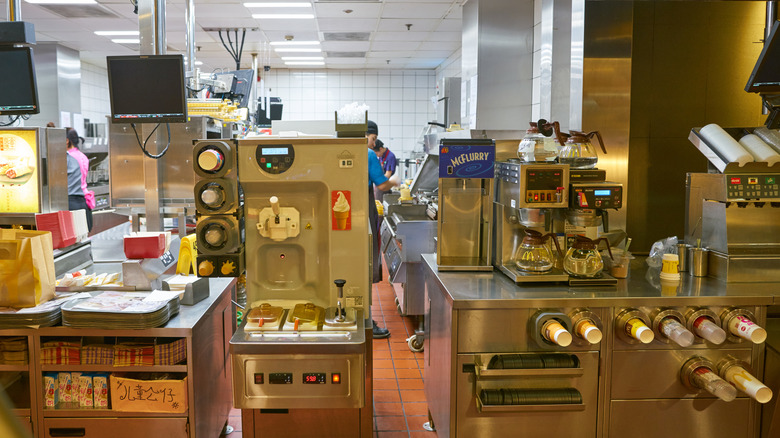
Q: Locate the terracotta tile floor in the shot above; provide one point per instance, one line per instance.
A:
(400, 408)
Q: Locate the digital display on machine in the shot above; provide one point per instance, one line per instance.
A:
(765, 77)
(314, 378)
(602, 192)
(280, 378)
(18, 71)
(147, 89)
(275, 151)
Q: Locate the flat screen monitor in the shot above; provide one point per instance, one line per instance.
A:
(18, 89)
(147, 89)
(766, 74)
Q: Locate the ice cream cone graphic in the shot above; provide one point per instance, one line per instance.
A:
(341, 211)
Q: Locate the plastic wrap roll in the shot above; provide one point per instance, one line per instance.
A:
(725, 145)
(770, 136)
(761, 152)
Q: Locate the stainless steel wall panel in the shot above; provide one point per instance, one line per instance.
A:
(681, 418)
(441, 370)
(58, 76)
(660, 372)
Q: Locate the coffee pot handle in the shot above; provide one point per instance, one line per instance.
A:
(598, 136)
(555, 241)
(561, 136)
(609, 250)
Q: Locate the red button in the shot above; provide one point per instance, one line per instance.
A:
(262, 160)
(335, 378)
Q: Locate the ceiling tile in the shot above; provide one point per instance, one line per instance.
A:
(449, 25)
(291, 25)
(398, 25)
(446, 36)
(450, 46)
(336, 10)
(421, 10)
(394, 45)
(432, 54)
(402, 36)
(345, 46)
(387, 54)
(347, 25)
(279, 35)
(223, 10)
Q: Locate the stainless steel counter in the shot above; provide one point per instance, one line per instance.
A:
(468, 290)
(623, 387)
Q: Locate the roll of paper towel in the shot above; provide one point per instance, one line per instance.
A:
(725, 145)
(770, 137)
(761, 152)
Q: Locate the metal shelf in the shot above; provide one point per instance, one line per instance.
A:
(528, 408)
(111, 368)
(15, 368)
(93, 413)
(484, 373)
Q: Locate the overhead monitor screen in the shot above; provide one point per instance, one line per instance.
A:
(147, 89)
(18, 90)
(766, 74)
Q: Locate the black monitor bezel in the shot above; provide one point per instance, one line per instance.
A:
(31, 76)
(769, 44)
(169, 119)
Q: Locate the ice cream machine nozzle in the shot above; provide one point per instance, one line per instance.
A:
(278, 223)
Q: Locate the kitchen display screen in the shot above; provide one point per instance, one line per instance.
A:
(147, 89)
(18, 90)
(314, 378)
(601, 192)
(275, 151)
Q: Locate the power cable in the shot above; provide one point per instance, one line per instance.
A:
(143, 145)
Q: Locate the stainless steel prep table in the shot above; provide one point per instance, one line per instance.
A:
(207, 327)
(627, 388)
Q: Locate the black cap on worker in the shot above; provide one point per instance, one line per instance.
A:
(372, 128)
(73, 136)
(378, 144)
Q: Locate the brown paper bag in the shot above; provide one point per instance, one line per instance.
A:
(27, 276)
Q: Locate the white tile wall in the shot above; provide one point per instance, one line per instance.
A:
(95, 103)
(399, 100)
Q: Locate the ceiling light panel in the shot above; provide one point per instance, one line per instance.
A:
(278, 5)
(304, 63)
(283, 16)
(297, 50)
(117, 32)
(126, 41)
(295, 43)
(421, 10)
(346, 36)
(302, 58)
(61, 2)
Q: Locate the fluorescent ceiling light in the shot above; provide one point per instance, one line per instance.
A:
(298, 50)
(283, 16)
(295, 43)
(278, 5)
(305, 63)
(198, 62)
(302, 58)
(117, 32)
(126, 41)
(62, 2)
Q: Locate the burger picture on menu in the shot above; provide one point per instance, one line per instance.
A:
(17, 162)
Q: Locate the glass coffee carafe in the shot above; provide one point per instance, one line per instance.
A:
(578, 151)
(537, 146)
(533, 254)
(583, 259)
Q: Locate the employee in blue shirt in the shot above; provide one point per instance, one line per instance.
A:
(389, 164)
(376, 178)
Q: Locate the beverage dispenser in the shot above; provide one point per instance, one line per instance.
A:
(466, 171)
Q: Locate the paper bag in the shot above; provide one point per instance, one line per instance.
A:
(27, 276)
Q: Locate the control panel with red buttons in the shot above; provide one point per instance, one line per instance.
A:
(601, 195)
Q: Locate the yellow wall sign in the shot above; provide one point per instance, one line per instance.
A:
(19, 189)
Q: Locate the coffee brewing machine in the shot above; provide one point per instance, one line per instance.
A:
(301, 350)
(554, 201)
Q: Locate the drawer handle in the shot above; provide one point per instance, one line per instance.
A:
(67, 431)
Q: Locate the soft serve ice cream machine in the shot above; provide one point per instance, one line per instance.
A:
(301, 350)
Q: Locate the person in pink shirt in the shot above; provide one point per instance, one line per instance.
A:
(79, 197)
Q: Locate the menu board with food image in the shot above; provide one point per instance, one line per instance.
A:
(18, 172)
